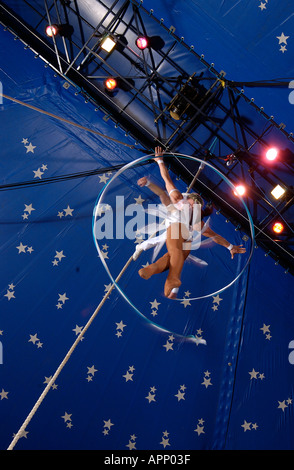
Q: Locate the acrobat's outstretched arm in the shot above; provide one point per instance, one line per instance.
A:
(174, 194)
(234, 249)
(164, 198)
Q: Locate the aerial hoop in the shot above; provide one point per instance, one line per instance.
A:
(132, 164)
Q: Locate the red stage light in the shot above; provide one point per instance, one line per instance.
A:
(51, 30)
(271, 154)
(278, 227)
(110, 84)
(142, 42)
(240, 190)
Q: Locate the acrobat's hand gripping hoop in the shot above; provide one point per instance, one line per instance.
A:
(98, 208)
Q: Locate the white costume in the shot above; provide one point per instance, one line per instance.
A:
(181, 213)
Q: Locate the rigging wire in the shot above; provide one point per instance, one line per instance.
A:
(56, 179)
(67, 121)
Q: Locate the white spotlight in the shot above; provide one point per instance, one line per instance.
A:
(278, 191)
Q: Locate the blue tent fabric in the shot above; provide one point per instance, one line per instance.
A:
(249, 42)
(133, 382)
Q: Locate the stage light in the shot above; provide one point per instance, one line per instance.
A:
(107, 44)
(278, 227)
(65, 30)
(278, 191)
(271, 154)
(142, 42)
(110, 84)
(240, 190)
(51, 30)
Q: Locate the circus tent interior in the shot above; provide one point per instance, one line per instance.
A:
(93, 356)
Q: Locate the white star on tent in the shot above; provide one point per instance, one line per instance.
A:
(120, 326)
(180, 395)
(10, 295)
(66, 417)
(104, 255)
(3, 394)
(265, 328)
(68, 211)
(199, 430)
(23, 434)
(33, 339)
(165, 442)
(128, 376)
(246, 426)
(47, 379)
(200, 340)
(21, 248)
(186, 302)
(216, 299)
(206, 382)
(154, 304)
(62, 298)
(139, 200)
(262, 6)
(103, 178)
(92, 370)
(38, 173)
(168, 346)
(131, 445)
(282, 405)
(29, 208)
(150, 397)
(108, 424)
(78, 329)
(253, 374)
(59, 255)
(30, 148)
(282, 39)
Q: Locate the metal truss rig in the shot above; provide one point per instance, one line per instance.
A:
(183, 105)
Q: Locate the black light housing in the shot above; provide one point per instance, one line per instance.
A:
(65, 30)
(113, 84)
(153, 42)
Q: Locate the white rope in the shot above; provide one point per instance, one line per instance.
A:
(23, 427)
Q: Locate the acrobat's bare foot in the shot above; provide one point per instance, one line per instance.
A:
(147, 272)
(169, 285)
